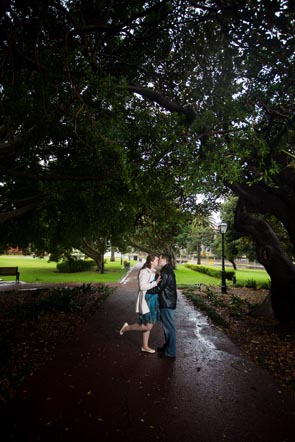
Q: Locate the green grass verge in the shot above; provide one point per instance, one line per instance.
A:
(205, 308)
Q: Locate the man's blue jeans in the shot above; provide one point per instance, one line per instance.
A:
(167, 317)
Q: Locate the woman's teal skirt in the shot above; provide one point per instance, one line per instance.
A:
(154, 314)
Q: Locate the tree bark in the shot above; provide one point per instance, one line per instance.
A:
(17, 213)
(97, 256)
(277, 264)
(199, 252)
(233, 264)
(163, 101)
(260, 198)
(264, 309)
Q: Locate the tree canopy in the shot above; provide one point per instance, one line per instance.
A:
(114, 111)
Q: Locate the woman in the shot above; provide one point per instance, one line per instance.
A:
(147, 304)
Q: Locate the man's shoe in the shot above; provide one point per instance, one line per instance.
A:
(161, 349)
(164, 356)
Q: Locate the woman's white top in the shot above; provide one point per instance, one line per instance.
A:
(146, 281)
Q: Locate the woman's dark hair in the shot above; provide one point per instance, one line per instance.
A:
(148, 262)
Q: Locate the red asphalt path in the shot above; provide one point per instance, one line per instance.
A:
(100, 387)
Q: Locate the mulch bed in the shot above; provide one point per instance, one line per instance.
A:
(34, 322)
(264, 340)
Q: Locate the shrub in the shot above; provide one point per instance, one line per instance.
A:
(235, 305)
(216, 273)
(74, 265)
(251, 284)
(265, 285)
(61, 299)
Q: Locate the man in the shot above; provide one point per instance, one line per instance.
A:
(167, 304)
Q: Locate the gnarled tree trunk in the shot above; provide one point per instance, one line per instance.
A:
(277, 264)
(232, 261)
(97, 256)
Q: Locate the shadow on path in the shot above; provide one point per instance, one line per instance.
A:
(101, 387)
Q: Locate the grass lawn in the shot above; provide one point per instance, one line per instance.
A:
(35, 270)
(244, 275)
(188, 276)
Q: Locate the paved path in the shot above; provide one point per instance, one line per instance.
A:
(101, 387)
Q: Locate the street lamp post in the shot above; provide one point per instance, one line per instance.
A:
(222, 229)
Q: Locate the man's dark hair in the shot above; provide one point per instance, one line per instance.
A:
(167, 257)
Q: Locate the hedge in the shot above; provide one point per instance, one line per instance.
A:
(216, 273)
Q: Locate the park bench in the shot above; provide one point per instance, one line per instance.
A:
(9, 271)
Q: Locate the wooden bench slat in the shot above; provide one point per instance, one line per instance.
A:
(9, 271)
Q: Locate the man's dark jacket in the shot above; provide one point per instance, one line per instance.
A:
(167, 285)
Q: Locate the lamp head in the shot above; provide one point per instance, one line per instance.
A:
(222, 227)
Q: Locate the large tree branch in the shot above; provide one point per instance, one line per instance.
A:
(142, 247)
(261, 198)
(6, 216)
(163, 101)
(10, 150)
